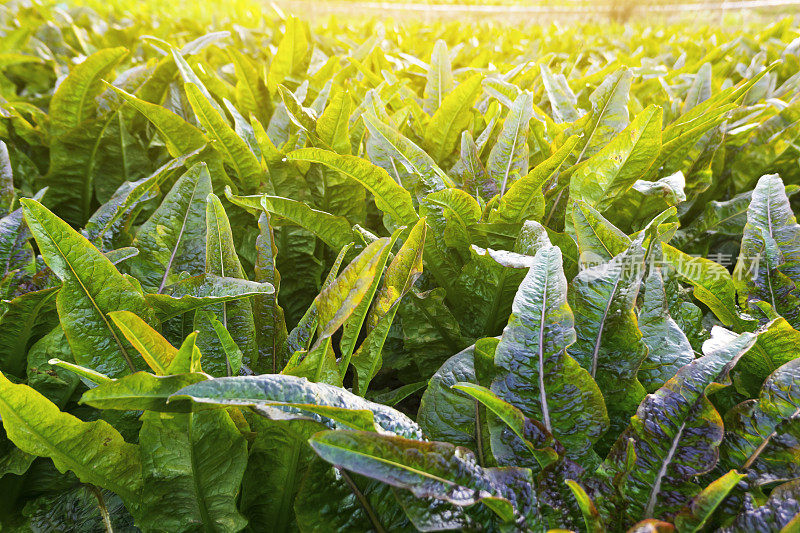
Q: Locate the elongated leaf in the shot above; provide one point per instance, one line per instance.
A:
(252, 95)
(194, 482)
(233, 148)
(609, 114)
(535, 438)
(203, 290)
(404, 152)
(142, 391)
(609, 343)
(270, 324)
(172, 240)
(525, 198)
(221, 355)
(446, 415)
(398, 279)
(179, 136)
(72, 103)
(763, 437)
(510, 152)
(20, 324)
(333, 125)
(778, 344)
(390, 197)
(562, 99)
(113, 219)
(294, 52)
(334, 231)
(668, 349)
(94, 451)
(330, 405)
(769, 260)
(534, 371)
(626, 158)
(156, 351)
(781, 512)
(222, 260)
(451, 117)
(703, 505)
(428, 469)
(7, 194)
(591, 516)
(712, 283)
(674, 435)
(598, 239)
(440, 78)
(91, 287)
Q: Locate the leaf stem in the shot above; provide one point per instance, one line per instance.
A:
(362, 500)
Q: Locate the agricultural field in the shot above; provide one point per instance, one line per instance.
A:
(264, 274)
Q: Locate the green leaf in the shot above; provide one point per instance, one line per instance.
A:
(179, 136)
(293, 54)
(712, 283)
(562, 100)
(534, 372)
(525, 198)
(451, 117)
(598, 239)
(156, 351)
(699, 511)
(201, 291)
(609, 114)
(252, 95)
(591, 516)
(779, 343)
(172, 240)
(141, 391)
(510, 152)
(439, 78)
(222, 260)
(194, 482)
(674, 436)
(614, 169)
(24, 319)
(74, 100)
(333, 125)
(7, 194)
(398, 148)
(531, 434)
(449, 416)
(450, 213)
(428, 469)
(333, 406)
(390, 197)
(94, 451)
(233, 148)
(609, 343)
(772, 147)
(270, 324)
(91, 288)
(221, 355)
(340, 299)
(769, 260)
(668, 348)
(333, 230)
(113, 220)
(781, 512)
(763, 435)
(398, 279)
